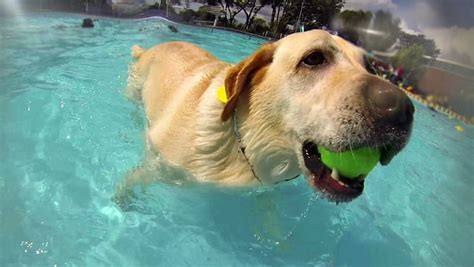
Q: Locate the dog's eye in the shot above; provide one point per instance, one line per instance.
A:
(315, 59)
(369, 66)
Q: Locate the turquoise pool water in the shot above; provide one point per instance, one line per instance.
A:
(68, 135)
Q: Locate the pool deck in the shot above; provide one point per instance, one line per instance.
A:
(439, 108)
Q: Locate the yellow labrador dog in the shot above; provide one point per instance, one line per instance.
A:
(306, 90)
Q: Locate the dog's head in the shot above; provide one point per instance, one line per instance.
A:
(316, 89)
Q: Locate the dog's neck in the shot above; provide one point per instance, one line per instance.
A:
(216, 149)
(271, 157)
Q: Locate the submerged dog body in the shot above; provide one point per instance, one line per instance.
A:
(306, 90)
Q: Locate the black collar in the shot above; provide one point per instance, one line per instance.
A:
(241, 146)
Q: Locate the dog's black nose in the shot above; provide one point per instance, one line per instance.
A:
(390, 104)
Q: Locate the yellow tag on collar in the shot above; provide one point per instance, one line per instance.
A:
(222, 94)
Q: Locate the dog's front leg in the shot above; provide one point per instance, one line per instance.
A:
(139, 176)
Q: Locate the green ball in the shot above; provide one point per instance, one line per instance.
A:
(351, 164)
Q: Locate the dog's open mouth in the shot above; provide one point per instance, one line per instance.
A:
(331, 184)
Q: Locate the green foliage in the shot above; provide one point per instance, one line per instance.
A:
(321, 12)
(428, 45)
(154, 6)
(259, 26)
(250, 9)
(354, 19)
(188, 15)
(171, 9)
(204, 13)
(230, 10)
(411, 59)
(260, 22)
(315, 13)
(349, 23)
(240, 26)
(162, 6)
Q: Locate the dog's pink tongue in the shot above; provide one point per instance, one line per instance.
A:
(337, 186)
(324, 180)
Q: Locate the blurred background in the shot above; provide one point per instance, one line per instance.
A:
(424, 46)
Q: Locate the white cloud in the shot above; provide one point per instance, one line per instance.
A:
(405, 28)
(455, 43)
(370, 4)
(418, 16)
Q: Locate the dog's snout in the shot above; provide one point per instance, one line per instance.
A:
(390, 104)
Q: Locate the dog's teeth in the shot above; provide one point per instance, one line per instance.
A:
(335, 175)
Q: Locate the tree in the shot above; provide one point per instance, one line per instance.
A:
(276, 4)
(429, 46)
(287, 9)
(314, 12)
(411, 59)
(350, 22)
(229, 11)
(320, 13)
(250, 9)
(259, 26)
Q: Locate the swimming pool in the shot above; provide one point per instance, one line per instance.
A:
(68, 135)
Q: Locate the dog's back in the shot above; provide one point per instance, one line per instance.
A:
(170, 79)
(160, 71)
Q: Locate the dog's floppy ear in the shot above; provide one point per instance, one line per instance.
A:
(239, 76)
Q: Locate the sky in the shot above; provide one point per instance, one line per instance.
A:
(449, 22)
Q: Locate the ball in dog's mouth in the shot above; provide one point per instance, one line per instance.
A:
(333, 186)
